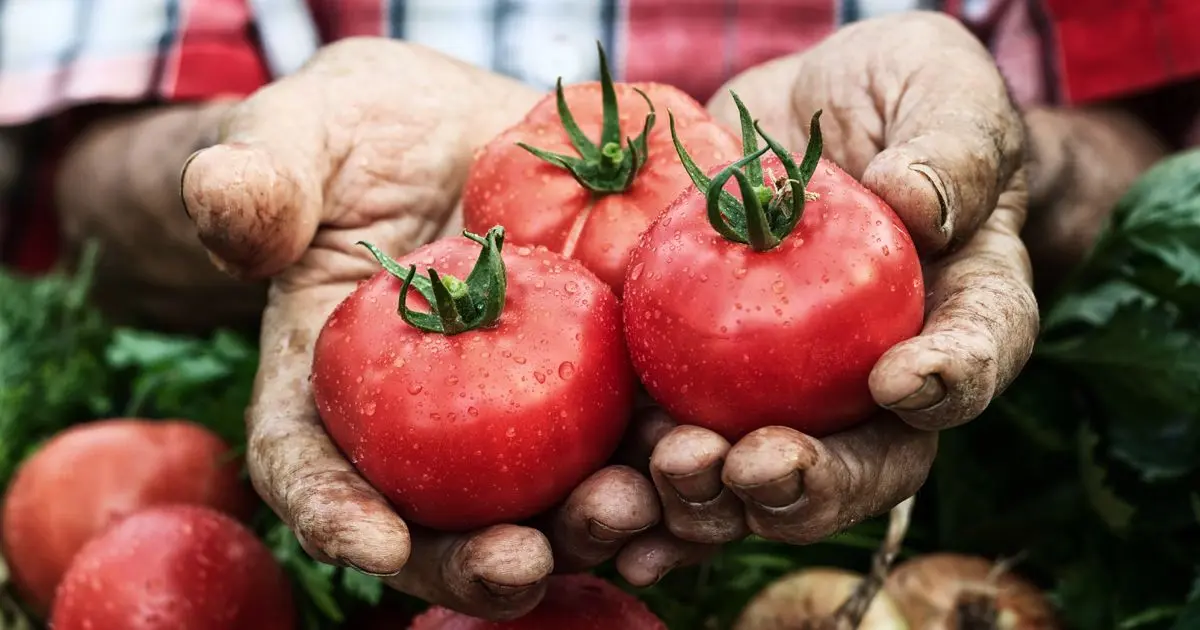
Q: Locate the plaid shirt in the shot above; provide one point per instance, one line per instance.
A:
(57, 54)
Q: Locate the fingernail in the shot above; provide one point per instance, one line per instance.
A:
(777, 493)
(938, 187)
(366, 572)
(701, 486)
(662, 573)
(503, 590)
(931, 392)
(182, 175)
(604, 533)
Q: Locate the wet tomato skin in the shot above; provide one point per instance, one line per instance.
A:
(488, 426)
(572, 602)
(734, 340)
(176, 567)
(542, 204)
(93, 475)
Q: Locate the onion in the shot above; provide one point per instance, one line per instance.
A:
(809, 599)
(834, 599)
(947, 591)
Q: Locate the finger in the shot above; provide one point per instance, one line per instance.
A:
(939, 152)
(256, 196)
(295, 467)
(496, 573)
(602, 514)
(686, 469)
(979, 332)
(648, 558)
(798, 489)
(650, 424)
(951, 148)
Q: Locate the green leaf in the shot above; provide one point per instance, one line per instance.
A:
(1160, 215)
(367, 588)
(1115, 511)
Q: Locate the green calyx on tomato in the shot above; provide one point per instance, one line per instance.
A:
(610, 167)
(767, 212)
(457, 305)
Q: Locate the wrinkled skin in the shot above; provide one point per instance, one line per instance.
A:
(344, 150)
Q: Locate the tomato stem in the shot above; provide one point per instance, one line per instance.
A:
(456, 305)
(768, 211)
(611, 167)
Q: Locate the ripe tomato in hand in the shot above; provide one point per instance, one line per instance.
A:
(572, 602)
(493, 409)
(550, 185)
(771, 310)
(178, 567)
(92, 475)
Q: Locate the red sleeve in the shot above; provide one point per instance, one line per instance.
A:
(1108, 49)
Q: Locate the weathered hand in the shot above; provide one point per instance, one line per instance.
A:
(372, 140)
(916, 109)
(118, 184)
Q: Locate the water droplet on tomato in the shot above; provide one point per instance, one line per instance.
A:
(539, 377)
(473, 411)
(566, 370)
(666, 220)
(415, 388)
(636, 272)
(511, 432)
(539, 283)
(739, 273)
(778, 286)
(452, 380)
(369, 408)
(524, 251)
(571, 287)
(519, 360)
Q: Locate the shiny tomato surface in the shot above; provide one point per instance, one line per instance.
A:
(490, 425)
(542, 204)
(733, 339)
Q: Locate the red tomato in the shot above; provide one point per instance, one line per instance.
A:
(94, 474)
(734, 339)
(572, 602)
(542, 203)
(180, 567)
(491, 425)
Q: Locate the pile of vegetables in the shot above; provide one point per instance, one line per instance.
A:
(1074, 501)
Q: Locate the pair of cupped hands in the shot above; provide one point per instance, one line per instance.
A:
(372, 141)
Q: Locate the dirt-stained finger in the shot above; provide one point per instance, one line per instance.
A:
(686, 469)
(648, 558)
(603, 513)
(294, 465)
(979, 332)
(839, 480)
(949, 149)
(495, 573)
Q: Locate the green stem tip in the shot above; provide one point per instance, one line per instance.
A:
(456, 305)
(767, 211)
(612, 166)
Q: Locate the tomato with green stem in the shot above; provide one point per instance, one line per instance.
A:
(771, 309)
(551, 185)
(493, 405)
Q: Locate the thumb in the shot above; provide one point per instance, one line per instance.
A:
(256, 196)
